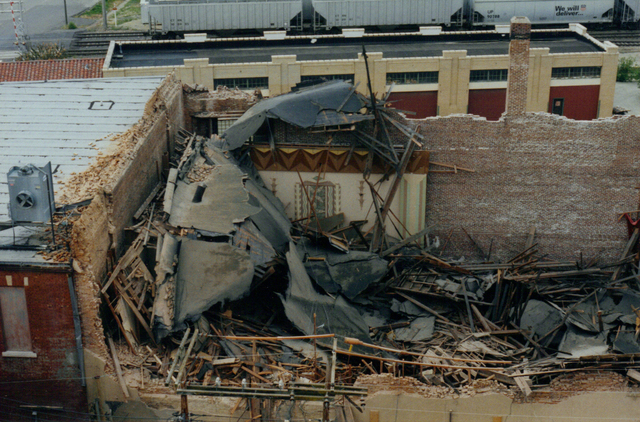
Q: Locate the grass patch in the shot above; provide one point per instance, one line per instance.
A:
(96, 10)
(628, 70)
(130, 12)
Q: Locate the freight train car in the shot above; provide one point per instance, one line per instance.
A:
(181, 16)
(224, 15)
(366, 13)
(491, 12)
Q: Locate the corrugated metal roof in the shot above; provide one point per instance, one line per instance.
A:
(66, 122)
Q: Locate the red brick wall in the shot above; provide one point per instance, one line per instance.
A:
(567, 179)
(424, 104)
(580, 102)
(489, 103)
(53, 377)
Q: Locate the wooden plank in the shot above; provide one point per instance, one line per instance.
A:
(627, 249)
(116, 363)
(134, 308)
(183, 364)
(521, 382)
(407, 240)
(115, 316)
(178, 354)
(147, 201)
(634, 375)
(532, 235)
(125, 261)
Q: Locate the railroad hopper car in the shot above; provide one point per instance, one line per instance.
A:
(181, 16)
(299, 15)
(492, 12)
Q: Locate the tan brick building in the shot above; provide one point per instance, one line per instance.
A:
(433, 73)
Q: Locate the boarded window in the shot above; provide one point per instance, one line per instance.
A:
(15, 320)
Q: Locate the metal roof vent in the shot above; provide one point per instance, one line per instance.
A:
(30, 194)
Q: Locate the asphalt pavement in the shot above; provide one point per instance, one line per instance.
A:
(44, 22)
(628, 93)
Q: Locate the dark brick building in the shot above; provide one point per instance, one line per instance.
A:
(40, 367)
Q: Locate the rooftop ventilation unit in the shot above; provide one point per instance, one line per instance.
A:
(30, 194)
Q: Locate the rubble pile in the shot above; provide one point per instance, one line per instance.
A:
(219, 286)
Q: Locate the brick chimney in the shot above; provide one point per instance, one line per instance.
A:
(520, 36)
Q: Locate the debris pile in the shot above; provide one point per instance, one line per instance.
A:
(220, 287)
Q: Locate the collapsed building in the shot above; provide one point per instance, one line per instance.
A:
(325, 213)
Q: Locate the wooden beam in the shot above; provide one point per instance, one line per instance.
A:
(116, 363)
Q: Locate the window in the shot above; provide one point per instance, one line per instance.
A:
(242, 83)
(575, 72)
(346, 77)
(325, 197)
(412, 78)
(224, 124)
(15, 323)
(494, 75)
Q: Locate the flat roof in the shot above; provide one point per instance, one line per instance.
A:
(67, 122)
(260, 50)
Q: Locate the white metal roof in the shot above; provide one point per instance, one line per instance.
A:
(66, 122)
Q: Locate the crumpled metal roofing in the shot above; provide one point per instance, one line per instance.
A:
(328, 104)
(67, 122)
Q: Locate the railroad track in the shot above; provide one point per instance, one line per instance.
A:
(90, 44)
(620, 38)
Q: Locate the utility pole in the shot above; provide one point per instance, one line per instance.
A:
(104, 15)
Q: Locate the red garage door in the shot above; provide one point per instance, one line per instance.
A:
(424, 104)
(575, 102)
(489, 103)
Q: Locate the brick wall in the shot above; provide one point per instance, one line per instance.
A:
(518, 65)
(568, 179)
(52, 378)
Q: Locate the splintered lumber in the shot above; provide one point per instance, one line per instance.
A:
(627, 249)
(406, 241)
(558, 274)
(356, 342)
(147, 201)
(423, 306)
(522, 381)
(127, 259)
(276, 338)
(175, 360)
(634, 375)
(116, 363)
(183, 364)
(408, 362)
(386, 206)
